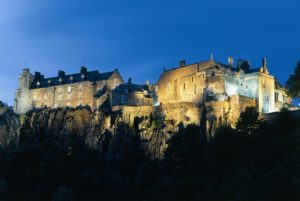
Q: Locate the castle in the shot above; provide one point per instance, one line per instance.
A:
(182, 93)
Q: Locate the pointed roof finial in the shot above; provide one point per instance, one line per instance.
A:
(211, 56)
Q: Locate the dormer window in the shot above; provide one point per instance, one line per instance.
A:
(82, 76)
(49, 82)
(71, 79)
(38, 83)
(60, 79)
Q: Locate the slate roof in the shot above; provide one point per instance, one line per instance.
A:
(212, 63)
(132, 88)
(92, 76)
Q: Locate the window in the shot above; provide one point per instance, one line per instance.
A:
(213, 73)
(69, 97)
(59, 90)
(276, 97)
(192, 79)
(169, 87)
(137, 100)
(183, 86)
(79, 94)
(116, 82)
(122, 99)
(195, 89)
(45, 97)
(69, 89)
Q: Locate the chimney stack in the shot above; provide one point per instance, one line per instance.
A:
(130, 80)
(182, 63)
(230, 62)
(264, 65)
(61, 74)
(37, 74)
(147, 82)
(264, 62)
(83, 70)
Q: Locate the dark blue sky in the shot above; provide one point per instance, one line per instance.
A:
(140, 37)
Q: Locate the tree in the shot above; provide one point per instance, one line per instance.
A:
(293, 83)
(248, 121)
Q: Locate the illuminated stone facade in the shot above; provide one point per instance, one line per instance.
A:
(85, 88)
(222, 89)
(206, 92)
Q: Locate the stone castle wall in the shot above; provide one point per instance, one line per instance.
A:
(130, 112)
(63, 95)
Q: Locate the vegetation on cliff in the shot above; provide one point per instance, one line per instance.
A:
(254, 161)
(293, 82)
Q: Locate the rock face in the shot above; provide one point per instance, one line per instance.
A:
(107, 132)
(9, 124)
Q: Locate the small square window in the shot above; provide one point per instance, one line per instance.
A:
(69, 89)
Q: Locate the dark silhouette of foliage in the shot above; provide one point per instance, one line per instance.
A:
(248, 121)
(293, 83)
(254, 161)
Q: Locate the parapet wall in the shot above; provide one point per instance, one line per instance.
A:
(186, 113)
(130, 112)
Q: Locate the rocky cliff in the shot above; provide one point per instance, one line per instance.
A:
(105, 131)
(9, 125)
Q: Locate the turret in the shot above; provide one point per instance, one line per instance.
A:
(22, 101)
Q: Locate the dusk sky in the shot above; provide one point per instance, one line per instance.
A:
(141, 37)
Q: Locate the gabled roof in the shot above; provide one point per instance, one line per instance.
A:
(92, 76)
(132, 88)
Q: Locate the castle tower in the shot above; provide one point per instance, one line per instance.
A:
(23, 99)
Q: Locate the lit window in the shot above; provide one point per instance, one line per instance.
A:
(69, 89)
